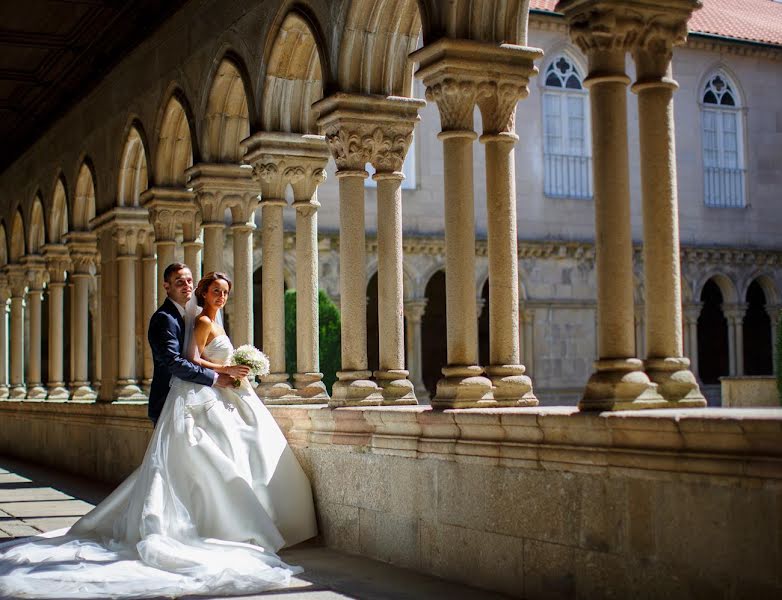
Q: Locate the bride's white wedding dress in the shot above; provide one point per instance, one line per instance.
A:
(218, 493)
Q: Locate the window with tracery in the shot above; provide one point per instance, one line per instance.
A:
(723, 160)
(566, 143)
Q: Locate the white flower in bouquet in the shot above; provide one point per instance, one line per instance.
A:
(250, 356)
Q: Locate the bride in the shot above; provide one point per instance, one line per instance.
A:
(218, 493)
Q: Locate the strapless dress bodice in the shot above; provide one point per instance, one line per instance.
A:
(219, 350)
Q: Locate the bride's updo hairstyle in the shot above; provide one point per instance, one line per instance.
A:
(206, 281)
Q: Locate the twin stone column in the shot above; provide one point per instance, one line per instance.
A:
(460, 75)
(621, 380)
(359, 130)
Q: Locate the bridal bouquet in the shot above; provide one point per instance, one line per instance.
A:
(250, 356)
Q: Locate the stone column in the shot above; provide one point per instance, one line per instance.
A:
(36, 270)
(149, 306)
(243, 211)
(388, 147)
(81, 246)
(618, 381)
(169, 209)
(691, 313)
(17, 280)
(639, 330)
(734, 314)
(455, 94)
(97, 327)
(347, 120)
(281, 159)
(192, 246)
(58, 263)
(497, 99)
(773, 311)
(414, 313)
(665, 362)
(527, 316)
(126, 240)
(5, 296)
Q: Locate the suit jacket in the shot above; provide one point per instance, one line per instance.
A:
(167, 337)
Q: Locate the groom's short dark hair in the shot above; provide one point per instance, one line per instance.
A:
(173, 268)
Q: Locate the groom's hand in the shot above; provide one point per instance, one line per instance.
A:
(224, 380)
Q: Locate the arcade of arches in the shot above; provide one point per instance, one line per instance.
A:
(210, 146)
(210, 169)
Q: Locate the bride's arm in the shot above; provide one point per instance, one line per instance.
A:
(201, 332)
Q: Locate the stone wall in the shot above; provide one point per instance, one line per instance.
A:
(536, 503)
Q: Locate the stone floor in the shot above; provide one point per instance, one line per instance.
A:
(35, 500)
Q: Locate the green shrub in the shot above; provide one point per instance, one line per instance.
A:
(329, 336)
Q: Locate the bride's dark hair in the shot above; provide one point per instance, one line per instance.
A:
(208, 280)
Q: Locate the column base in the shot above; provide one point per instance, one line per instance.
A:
(273, 388)
(58, 391)
(620, 384)
(354, 388)
(396, 388)
(464, 386)
(675, 382)
(146, 384)
(4, 391)
(511, 386)
(37, 392)
(128, 390)
(82, 392)
(18, 391)
(309, 388)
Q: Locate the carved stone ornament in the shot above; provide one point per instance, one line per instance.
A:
(384, 147)
(497, 102)
(455, 100)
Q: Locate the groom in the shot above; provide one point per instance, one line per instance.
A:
(166, 337)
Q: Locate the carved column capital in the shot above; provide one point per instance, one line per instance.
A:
(17, 280)
(82, 247)
(458, 74)
(415, 309)
(368, 129)
(692, 310)
(58, 262)
(222, 186)
(37, 275)
(773, 311)
(168, 208)
(5, 291)
(734, 313)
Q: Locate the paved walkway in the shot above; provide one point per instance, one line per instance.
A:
(35, 500)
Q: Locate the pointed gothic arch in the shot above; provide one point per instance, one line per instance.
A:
(58, 216)
(294, 78)
(84, 198)
(36, 237)
(174, 142)
(226, 119)
(133, 171)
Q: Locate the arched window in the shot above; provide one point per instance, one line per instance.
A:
(566, 143)
(723, 155)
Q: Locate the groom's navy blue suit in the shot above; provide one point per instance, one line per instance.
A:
(167, 338)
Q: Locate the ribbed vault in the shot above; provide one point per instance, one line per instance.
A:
(174, 153)
(84, 199)
(496, 21)
(378, 37)
(294, 79)
(226, 122)
(133, 177)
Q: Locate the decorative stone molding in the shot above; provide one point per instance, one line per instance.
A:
(168, 209)
(415, 309)
(458, 74)
(362, 129)
(128, 227)
(279, 159)
(220, 186)
(82, 247)
(734, 313)
(37, 275)
(17, 280)
(58, 261)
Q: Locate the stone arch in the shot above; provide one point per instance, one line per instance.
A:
(496, 22)
(174, 141)
(713, 349)
(377, 39)
(723, 69)
(766, 283)
(58, 216)
(133, 171)
(84, 198)
(3, 246)
(294, 77)
(226, 118)
(17, 238)
(727, 287)
(36, 237)
(758, 347)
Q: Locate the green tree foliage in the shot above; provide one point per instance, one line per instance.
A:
(329, 336)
